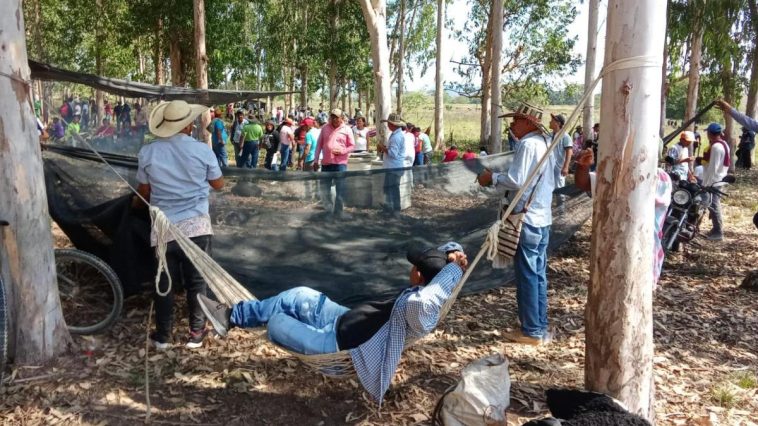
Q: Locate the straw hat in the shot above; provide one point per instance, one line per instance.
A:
(395, 119)
(528, 111)
(169, 118)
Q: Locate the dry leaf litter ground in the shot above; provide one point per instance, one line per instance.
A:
(706, 361)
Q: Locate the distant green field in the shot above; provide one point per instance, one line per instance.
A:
(462, 120)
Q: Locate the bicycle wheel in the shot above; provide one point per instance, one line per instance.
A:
(90, 292)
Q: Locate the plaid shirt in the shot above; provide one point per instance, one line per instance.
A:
(415, 314)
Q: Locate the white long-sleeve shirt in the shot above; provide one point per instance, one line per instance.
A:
(715, 170)
(529, 151)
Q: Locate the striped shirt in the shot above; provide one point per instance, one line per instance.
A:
(415, 314)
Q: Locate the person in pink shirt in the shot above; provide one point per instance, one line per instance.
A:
(335, 143)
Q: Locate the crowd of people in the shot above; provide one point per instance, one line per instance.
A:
(124, 126)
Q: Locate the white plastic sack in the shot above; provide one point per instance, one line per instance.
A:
(482, 395)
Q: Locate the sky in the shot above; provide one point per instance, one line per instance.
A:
(458, 11)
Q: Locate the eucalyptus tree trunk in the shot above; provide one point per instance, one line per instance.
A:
(375, 14)
(728, 87)
(485, 117)
(400, 58)
(37, 332)
(664, 83)
(752, 92)
(304, 85)
(589, 66)
(696, 51)
(439, 79)
(333, 90)
(350, 111)
(201, 68)
(619, 310)
(158, 52)
(99, 66)
(496, 136)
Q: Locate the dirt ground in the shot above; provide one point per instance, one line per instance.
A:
(706, 363)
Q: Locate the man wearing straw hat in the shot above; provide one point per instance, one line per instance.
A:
(530, 261)
(174, 174)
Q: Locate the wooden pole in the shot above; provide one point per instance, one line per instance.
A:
(619, 314)
(201, 59)
(439, 79)
(589, 66)
(496, 135)
(37, 332)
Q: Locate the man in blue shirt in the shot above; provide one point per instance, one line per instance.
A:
(748, 123)
(306, 321)
(394, 159)
(219, 137)
(530, 261)
(175, 173)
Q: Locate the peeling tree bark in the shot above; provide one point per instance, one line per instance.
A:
(37, 332)
(375, 14)
(201, 68)
(619, 317)
(589, 66)
(496, 135)
(485, 116)
(696, 51)
(752, 92)
(158, 52)
(439, 79)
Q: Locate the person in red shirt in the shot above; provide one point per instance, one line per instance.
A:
(451, 154)
(469, 154)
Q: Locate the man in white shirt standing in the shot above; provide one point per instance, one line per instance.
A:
(717, 160)
(530, 261)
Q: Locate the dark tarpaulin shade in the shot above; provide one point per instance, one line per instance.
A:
(132, 89)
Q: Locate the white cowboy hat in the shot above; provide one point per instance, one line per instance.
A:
(169, 118)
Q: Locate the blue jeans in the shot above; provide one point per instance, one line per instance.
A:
(220, 150)
(300, 319)
(419, 161)
(531, 279)
(285, 152)
(249, 155)
(326, 187)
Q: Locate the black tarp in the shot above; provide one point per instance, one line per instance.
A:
(132, 89)
(271, 236)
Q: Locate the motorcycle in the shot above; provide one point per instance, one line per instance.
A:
(689, 204)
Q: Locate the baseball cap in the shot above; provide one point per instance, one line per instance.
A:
(429, 262)
(560, 118)
(307, 122)
(714, 128)
(336, 112)
(450, 247)
(688, 136)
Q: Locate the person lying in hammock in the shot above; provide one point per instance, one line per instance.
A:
(306, 321)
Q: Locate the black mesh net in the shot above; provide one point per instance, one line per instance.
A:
(270, 229)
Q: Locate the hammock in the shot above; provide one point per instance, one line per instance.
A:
(230, 292)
